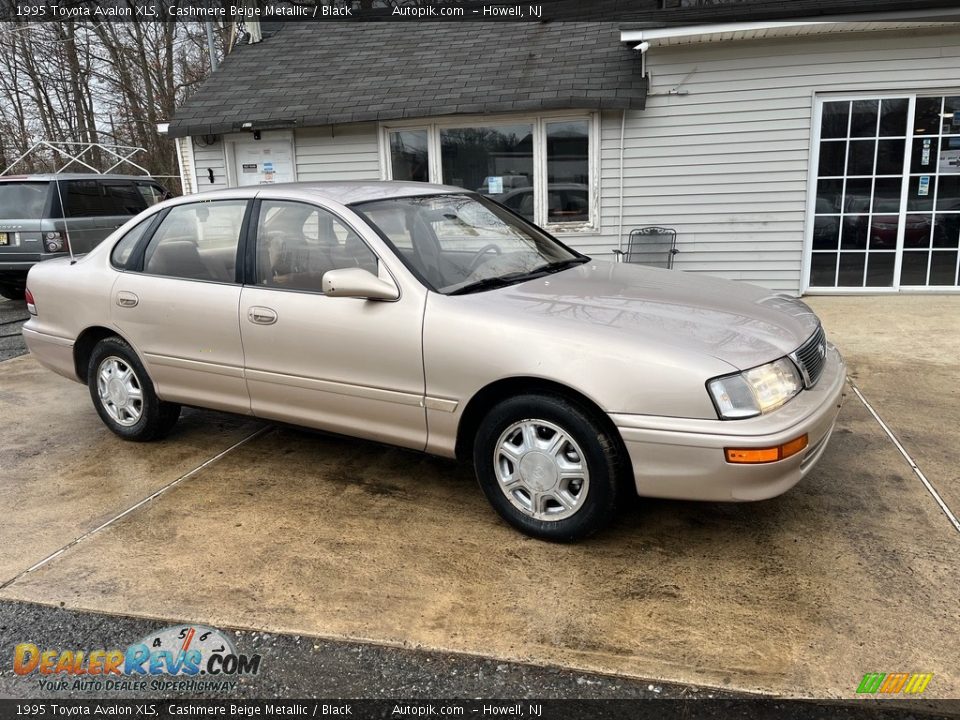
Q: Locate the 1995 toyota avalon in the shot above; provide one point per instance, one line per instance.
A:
(429, 317)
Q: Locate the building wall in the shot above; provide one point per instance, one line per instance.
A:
(725, 160)
(721, 153)
(209, 156)
(338, 152)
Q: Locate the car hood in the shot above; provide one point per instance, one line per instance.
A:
(741, 324)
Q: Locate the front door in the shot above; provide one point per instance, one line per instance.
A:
(179, 306)
(345, 365)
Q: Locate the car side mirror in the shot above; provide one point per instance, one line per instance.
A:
(358, 283)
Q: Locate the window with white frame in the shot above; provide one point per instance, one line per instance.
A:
(886, 210)
(543, 167)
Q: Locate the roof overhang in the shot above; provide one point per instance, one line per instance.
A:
(728, 32)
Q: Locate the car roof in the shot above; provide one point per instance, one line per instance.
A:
(73, 176)
(345, 193)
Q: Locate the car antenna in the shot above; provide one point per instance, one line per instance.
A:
(63, 215)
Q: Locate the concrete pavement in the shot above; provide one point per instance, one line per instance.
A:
(853, 571)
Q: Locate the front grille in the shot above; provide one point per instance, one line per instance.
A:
(811, 357)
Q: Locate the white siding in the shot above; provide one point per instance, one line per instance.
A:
(726, 163)
(209, 157)
(339, 152)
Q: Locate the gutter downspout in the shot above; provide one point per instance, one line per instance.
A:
(623, 123)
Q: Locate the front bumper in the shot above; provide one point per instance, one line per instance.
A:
(684, 458)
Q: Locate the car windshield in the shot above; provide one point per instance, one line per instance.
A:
(23, 200)
(462, 243)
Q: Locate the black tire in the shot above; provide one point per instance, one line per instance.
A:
(604, 484)
(12, 292)
(151, 418)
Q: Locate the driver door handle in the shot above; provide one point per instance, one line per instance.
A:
(259, 315)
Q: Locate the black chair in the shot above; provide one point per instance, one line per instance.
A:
(655, 246)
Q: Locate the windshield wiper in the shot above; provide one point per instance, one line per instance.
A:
(557, 266)
(514, 278)
(495, 282)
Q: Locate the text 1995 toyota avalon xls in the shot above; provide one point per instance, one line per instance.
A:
(430, 317)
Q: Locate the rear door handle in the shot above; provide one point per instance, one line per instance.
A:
(262, 315)
(127, 299)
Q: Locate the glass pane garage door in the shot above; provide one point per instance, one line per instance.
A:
(887, 212)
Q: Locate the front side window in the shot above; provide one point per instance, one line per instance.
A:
(465, 243)
(197, 241)
(151, 194)
(298, 243)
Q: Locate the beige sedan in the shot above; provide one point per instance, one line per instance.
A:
(432, 318)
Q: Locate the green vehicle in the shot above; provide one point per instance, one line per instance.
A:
(48, 216)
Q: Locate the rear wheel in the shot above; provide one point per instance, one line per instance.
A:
(123, 393)
(548, 467)
(12, 291)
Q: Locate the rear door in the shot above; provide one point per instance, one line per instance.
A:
(83, 212)
(178, 305)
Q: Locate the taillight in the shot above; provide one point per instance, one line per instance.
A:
(31, 305)
(55, 241)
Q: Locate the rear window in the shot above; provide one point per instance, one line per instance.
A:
(23, 200)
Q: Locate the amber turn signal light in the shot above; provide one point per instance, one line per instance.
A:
(766, 455)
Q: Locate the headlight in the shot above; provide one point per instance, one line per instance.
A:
(756, 391)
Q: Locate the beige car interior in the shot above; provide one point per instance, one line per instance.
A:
(191, 244)
(297, 244)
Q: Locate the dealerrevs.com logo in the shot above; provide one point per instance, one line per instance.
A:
(178, 658)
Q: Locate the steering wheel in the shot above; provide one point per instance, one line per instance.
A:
(476, 260)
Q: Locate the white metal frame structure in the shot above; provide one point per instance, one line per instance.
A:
(75, 151)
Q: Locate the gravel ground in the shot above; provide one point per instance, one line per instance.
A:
(12, 316)
(301, 667)
(294, 666)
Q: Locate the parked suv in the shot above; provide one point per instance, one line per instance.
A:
(45, 216)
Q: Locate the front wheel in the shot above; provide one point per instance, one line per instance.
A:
(123, 393)
(548, 467)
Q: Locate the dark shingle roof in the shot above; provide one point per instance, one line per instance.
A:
(326, 73)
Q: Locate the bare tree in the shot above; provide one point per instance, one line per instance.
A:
(88, 82)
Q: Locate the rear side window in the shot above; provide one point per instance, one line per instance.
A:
(84, 198)
(197, 241)
(123, 198)
(123, 249)
(23, 200)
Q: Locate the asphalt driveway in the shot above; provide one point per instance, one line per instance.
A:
(231, 523)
